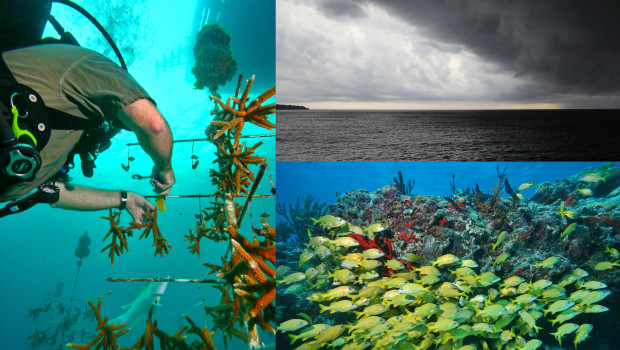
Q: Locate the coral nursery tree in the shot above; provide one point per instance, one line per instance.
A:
(246, 276)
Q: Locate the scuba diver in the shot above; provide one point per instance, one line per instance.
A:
(58, 100)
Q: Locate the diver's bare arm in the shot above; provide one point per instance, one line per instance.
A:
(76, 197)
(152, 130)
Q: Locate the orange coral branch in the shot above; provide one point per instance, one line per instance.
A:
(255, 112)
(251, 262)
(159, 241)
(119, 233)
(204, 334)
(107, 336)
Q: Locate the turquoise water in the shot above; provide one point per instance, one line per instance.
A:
(37, 246)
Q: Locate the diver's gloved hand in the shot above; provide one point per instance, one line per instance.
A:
(162, 180)
(137, 207)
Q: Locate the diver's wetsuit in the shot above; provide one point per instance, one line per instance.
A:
(74, 80)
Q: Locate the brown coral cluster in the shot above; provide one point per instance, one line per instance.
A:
(108, 333)
(254, 113)
(233, 158)
(234, 161)
(119, 234)
(249, 280)
(159, 241)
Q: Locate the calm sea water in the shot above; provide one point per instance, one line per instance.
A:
(37, 261)
(495, 135)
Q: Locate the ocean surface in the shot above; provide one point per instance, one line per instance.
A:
(38, 264)
(488, 135)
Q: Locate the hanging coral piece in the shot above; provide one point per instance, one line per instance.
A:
(214, 65)
(82, 250)
(119, 234)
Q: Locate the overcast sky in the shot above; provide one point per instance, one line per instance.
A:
(448, 53)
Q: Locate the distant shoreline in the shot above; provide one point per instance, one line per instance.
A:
(285, 107)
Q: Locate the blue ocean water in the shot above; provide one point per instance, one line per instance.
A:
(37, 261)
(323, 179)
(490, 135)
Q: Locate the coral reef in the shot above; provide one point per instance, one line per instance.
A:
(426, 304)
(467, 223)
(575, 220)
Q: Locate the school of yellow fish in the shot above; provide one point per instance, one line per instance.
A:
(447, 304)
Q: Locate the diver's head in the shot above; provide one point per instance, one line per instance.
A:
(22, 22)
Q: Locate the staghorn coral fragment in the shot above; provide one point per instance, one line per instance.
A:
(255, 113)
(204, 334)
(119, 234)
(267, 252)
(162, 246)
(264, 301)
(238, 156)
(108, 334)
(252, 282)
(251, 262)
(159, 241)
(194, 241)
(166, 341)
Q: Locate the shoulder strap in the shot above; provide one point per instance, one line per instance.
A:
(64, 121)
(57, 119)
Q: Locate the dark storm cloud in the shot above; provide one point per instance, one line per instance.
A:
(351, 8)
(570, 46)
